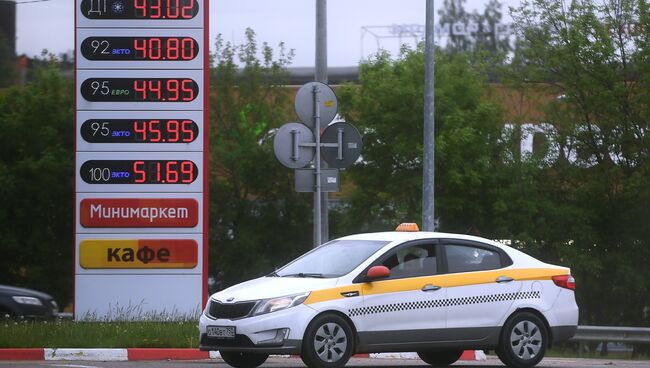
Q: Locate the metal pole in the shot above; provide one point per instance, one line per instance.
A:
(428, 219)
(317, 194)
(320, 75)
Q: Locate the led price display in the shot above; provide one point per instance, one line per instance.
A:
(140, 48)
(139, 89)
(139, 172)
(139, 131)
(140, 9)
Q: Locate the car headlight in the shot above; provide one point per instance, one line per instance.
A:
(27, 300)
(276, 304)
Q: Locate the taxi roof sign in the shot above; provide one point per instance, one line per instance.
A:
(407, 226)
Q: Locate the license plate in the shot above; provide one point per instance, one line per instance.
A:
(221, 332)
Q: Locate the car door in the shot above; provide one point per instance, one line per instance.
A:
(481, 291)
(406, 306)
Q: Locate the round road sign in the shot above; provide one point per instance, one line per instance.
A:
(305, 104)
(289, 148)
(348, 145)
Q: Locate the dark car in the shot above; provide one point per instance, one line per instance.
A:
(26, 303)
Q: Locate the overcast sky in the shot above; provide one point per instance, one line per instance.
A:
(50, 25)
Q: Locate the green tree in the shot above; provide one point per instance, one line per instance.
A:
(483, 32)
(258, 221)
(593, 210)
(36, 181)
(388, 109)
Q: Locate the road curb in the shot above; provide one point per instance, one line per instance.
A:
(138, 354)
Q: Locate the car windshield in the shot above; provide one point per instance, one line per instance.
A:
(333, 259)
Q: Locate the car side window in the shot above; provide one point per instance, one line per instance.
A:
(464, 258)
(412, 261)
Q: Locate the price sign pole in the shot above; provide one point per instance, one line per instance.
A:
(141, 183)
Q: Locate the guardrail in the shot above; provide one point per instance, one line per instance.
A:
(605, 334)
(630, 335)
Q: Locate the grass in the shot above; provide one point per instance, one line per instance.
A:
(101, 334)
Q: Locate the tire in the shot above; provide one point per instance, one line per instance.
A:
(440, 358)
(243, 360)
(328, 342)
(523, 341)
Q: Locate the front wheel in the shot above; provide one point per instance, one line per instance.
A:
(523, 341)
(328, 342)
(440, 358)
(243, 360)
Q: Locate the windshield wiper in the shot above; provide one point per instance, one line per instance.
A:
(272, 274)
(305, 274)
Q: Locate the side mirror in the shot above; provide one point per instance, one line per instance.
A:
(377, 272)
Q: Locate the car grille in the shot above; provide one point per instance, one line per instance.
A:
(219, 310)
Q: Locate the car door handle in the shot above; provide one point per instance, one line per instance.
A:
(429, 287)
(504, 279)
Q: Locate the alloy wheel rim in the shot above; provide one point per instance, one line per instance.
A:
(526, 340)
(330, 342)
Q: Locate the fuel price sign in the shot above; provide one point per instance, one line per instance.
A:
(139, 131)
(140, 9)
(141, 156)
(142, 48)
(139, 89)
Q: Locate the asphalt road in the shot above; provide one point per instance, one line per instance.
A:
(356, 363)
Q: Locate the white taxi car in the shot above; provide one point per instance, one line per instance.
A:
(433, 293)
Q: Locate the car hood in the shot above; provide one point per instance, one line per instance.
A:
(16, 291)
(271, 287)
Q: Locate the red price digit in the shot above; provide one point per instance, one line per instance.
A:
(188, 91)
(172, 48)
(155, 9)
(140, 87)
(140, 131)
(158, 172)
(140, 47)
(154, 130)
(173, 133)
(155, 47)
(187, 49)
(172, 173)
(187, 9)
(138, 171)
(154, 88)
(140, 8)
(172, 90)
(188, 132)
(187, 169)
(173, 9)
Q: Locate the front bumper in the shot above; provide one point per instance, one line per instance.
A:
(272, 333)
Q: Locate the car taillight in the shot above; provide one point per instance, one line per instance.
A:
(565, 281)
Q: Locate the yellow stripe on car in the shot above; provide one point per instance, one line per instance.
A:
(445, 281)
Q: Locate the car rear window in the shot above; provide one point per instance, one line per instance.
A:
(462, 258)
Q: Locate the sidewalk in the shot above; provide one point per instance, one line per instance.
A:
(134, 354)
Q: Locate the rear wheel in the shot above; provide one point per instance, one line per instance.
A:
(523, 341)
(243, 360)
(328, 342)
(440, 358)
